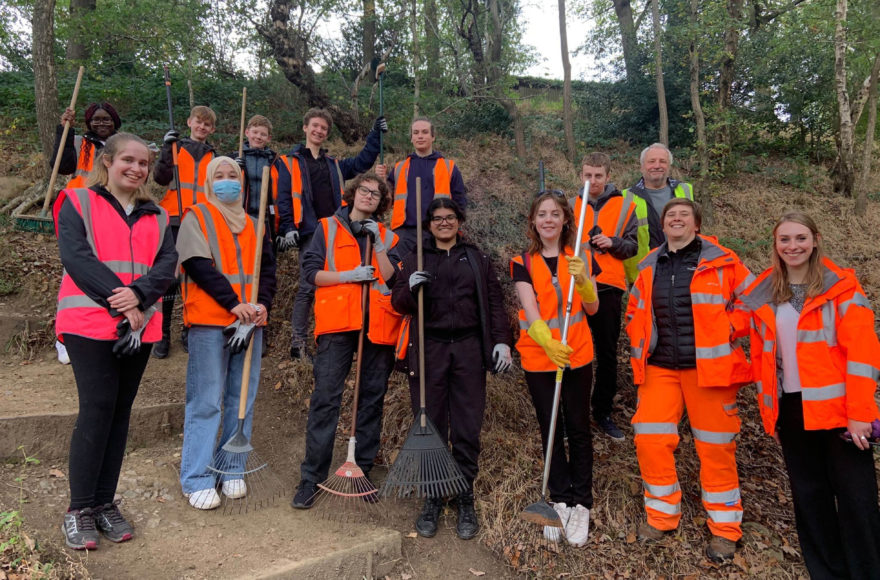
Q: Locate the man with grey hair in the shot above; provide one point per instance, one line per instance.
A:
(650, 194)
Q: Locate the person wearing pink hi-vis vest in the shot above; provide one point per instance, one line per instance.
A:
(119, 259)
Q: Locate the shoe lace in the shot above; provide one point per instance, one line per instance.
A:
(83, 520)
(111, 514)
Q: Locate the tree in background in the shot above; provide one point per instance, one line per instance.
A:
(45, 86)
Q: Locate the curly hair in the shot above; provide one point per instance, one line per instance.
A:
(351, 189)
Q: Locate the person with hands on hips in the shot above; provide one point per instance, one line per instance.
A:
(334, 262)
(217, 245)
(542, 280)
(467, 332)
(816, 359)
(119, 259)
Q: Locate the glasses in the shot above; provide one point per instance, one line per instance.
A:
(101, 121)
(439, 219)
(373, 193)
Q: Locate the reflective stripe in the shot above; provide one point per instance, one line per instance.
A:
(662, 506)
(240, 276)
(655, 428)
(330, 244)
(213, 241)
(768, 346)
(554, 323)
(729, 497)
(636, 352)
(78, 301)
(730, 407)
(810, 336)
(126, 267)
(768, 401)
(234, 279)
(399, 196)
(858, 369)
(725, 516)
(642, 222)
(85, 208)
(716, 437)
(707, 352)
(706, 298)
(661, 490)
(824, 393)
(745, 284)
(858, 299)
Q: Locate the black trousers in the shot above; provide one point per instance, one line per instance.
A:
(107, 387)
(571, 475)
(834, 487)
(301, 314)
(332, 365)
(605, 328)
(170, 296)
(455, 397)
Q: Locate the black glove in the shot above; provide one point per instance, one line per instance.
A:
(381, 124)
(170, 137)
(239, 336)
(129, 341)
(241, 162)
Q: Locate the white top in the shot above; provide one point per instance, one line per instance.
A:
(786, 346)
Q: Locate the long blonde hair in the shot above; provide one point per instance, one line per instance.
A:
(99, 175)
(779, 279)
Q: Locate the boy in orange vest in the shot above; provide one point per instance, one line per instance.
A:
(193, 155)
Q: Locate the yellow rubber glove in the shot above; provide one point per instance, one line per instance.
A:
(556, 351)
(582, 282)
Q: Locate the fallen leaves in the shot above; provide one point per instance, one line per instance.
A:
(476, 572)
(57, 473)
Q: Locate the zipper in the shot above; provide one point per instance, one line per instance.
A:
(672, 313)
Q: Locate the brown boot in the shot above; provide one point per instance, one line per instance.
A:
(720, 549)
(648, 533)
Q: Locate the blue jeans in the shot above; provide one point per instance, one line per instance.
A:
(332, 364)
(213, 388)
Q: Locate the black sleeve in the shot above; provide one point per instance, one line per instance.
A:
(95, 279)
(161, 276)
(402, 299)
(498, 319)
(519, 273)
(164, 170)
(206, 276)
(458, 189)
(68, 156)
(268, 280)
(314, 257)
(627, 245)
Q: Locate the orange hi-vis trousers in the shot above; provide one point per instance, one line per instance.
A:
(715, 423)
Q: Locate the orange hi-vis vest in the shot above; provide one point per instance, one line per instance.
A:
(442, 186)
(192, 182)
(720, 318)
(611, 219)
(551, 292)
(296, 185)
(338, 307)
(838, 354)
(233, 256)
(129, 252)
(85, 160)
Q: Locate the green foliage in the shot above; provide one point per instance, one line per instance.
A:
(471, 118)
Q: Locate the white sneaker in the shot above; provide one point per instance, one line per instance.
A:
(554, 534)
(63, 357)
(234, 488)
(204, 499)
(578, 527)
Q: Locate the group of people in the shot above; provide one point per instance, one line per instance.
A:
(691, 304)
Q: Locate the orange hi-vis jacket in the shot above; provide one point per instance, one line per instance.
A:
(129, 252)
(192, 182)
(720, 318)
(611, 219)
(85, 160)
(338, 307)
(295, 166)
(233, 257)
(442, 186)
(551, 293)
(838, 352)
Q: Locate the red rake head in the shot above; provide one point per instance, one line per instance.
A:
(349, 469)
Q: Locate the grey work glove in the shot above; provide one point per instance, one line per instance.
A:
(381, 124)
(359, 274)
(238, 336)
(501, 357)
(372, 228)
(418, 278)
(288, 241)
(130, 341)
(170, 137)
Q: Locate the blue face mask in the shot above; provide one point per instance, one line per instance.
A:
(227, 190)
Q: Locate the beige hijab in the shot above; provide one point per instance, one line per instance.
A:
(191, 242)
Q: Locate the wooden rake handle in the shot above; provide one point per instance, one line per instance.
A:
(48, 198)
(365, 294)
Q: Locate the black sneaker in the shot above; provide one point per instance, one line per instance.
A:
(305, 495)
(79, 529)
(109, 520)
(426, 524)
(160, 349)
(467, 526)
(610, 429)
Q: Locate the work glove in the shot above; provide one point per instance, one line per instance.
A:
(238, 336)
(359, 274)
(241, 162)
(372, 228)
(170, 137)
(381, 124)
(557, 352)
(417, 279)
(582, 282)
(288, 241)
(129, 341)
(501, 357)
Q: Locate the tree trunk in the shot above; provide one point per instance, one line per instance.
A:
(658, 65)
(566, 86)
(628, 39)
(432, 46)
(45, 85)
(696, 106)
(862, 199)
(843, 175)
(369, 38)
(728, 54)
(415, 58)
(77, 45)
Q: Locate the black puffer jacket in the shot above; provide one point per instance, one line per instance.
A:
(673, 313)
